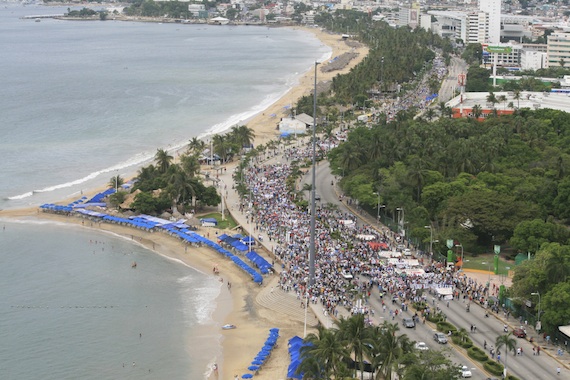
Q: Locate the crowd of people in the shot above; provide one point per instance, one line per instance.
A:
(346, 265)
(420, 96)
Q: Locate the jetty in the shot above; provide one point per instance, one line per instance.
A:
(43, 16)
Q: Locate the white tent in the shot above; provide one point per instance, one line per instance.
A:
(366, 237)
(292, 126)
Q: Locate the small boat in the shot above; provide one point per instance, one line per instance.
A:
(228, 327)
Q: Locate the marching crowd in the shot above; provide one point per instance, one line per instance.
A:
(345, 264)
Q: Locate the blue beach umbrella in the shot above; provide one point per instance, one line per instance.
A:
(253, 367)
(246, 376)
(257, 362)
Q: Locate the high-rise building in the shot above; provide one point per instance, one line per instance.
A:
(477, 29)
(493, 10)
(558, 50)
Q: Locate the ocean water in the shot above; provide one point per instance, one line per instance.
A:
(80, 103)
(84, 101)
(73, 308)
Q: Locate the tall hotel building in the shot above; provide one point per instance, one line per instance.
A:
(493, 9)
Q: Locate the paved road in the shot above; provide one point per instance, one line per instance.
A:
(525, 367)
(456, 67)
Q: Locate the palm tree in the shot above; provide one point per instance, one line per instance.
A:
(388, 349)
(477, 111)
(163, 160)
(242, 136)
(502, 99)
(491, 98)
(196, 145)
(190, 165)
(442, 108)
(355, 335)
(462, 334)
(350, 157)
(116, 181)
(222, 146)
(179, 186)
(307, 187)
(517, 97)
(324, 354)
(509, 343)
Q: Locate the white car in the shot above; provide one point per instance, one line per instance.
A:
(421, 346)
(407, 252)
(465, 372)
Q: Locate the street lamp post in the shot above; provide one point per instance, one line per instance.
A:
(382, 75)
(379, 206)
(311, 279)
(461, 246)
(538, 313)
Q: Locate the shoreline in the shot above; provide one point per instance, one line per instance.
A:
(236, 306)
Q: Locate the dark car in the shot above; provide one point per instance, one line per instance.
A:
(409, 323)
(519, 333)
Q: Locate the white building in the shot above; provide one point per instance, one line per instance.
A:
(197, 10)
(450, 24)
(493, 9)
(533, 59)
(478, 27)
(558, 49)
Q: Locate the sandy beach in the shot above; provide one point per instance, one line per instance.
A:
(237, 305)
(264, 124)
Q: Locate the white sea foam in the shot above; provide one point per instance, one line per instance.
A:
(200, 299)
(132, 162)
(22, 196)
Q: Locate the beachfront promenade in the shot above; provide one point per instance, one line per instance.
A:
(271, 296)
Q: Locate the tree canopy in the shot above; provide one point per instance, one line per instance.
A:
(341, 351)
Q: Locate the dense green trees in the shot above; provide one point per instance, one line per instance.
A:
(547, 274)
(352, 339)
(172, 184)
(150, 8)
(480, 178)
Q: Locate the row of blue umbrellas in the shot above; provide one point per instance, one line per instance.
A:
(99, 197)
(264, 353)
(295, 345)
(259, 261)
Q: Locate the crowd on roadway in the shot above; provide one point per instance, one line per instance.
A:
(420, 96)
(345, 263)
